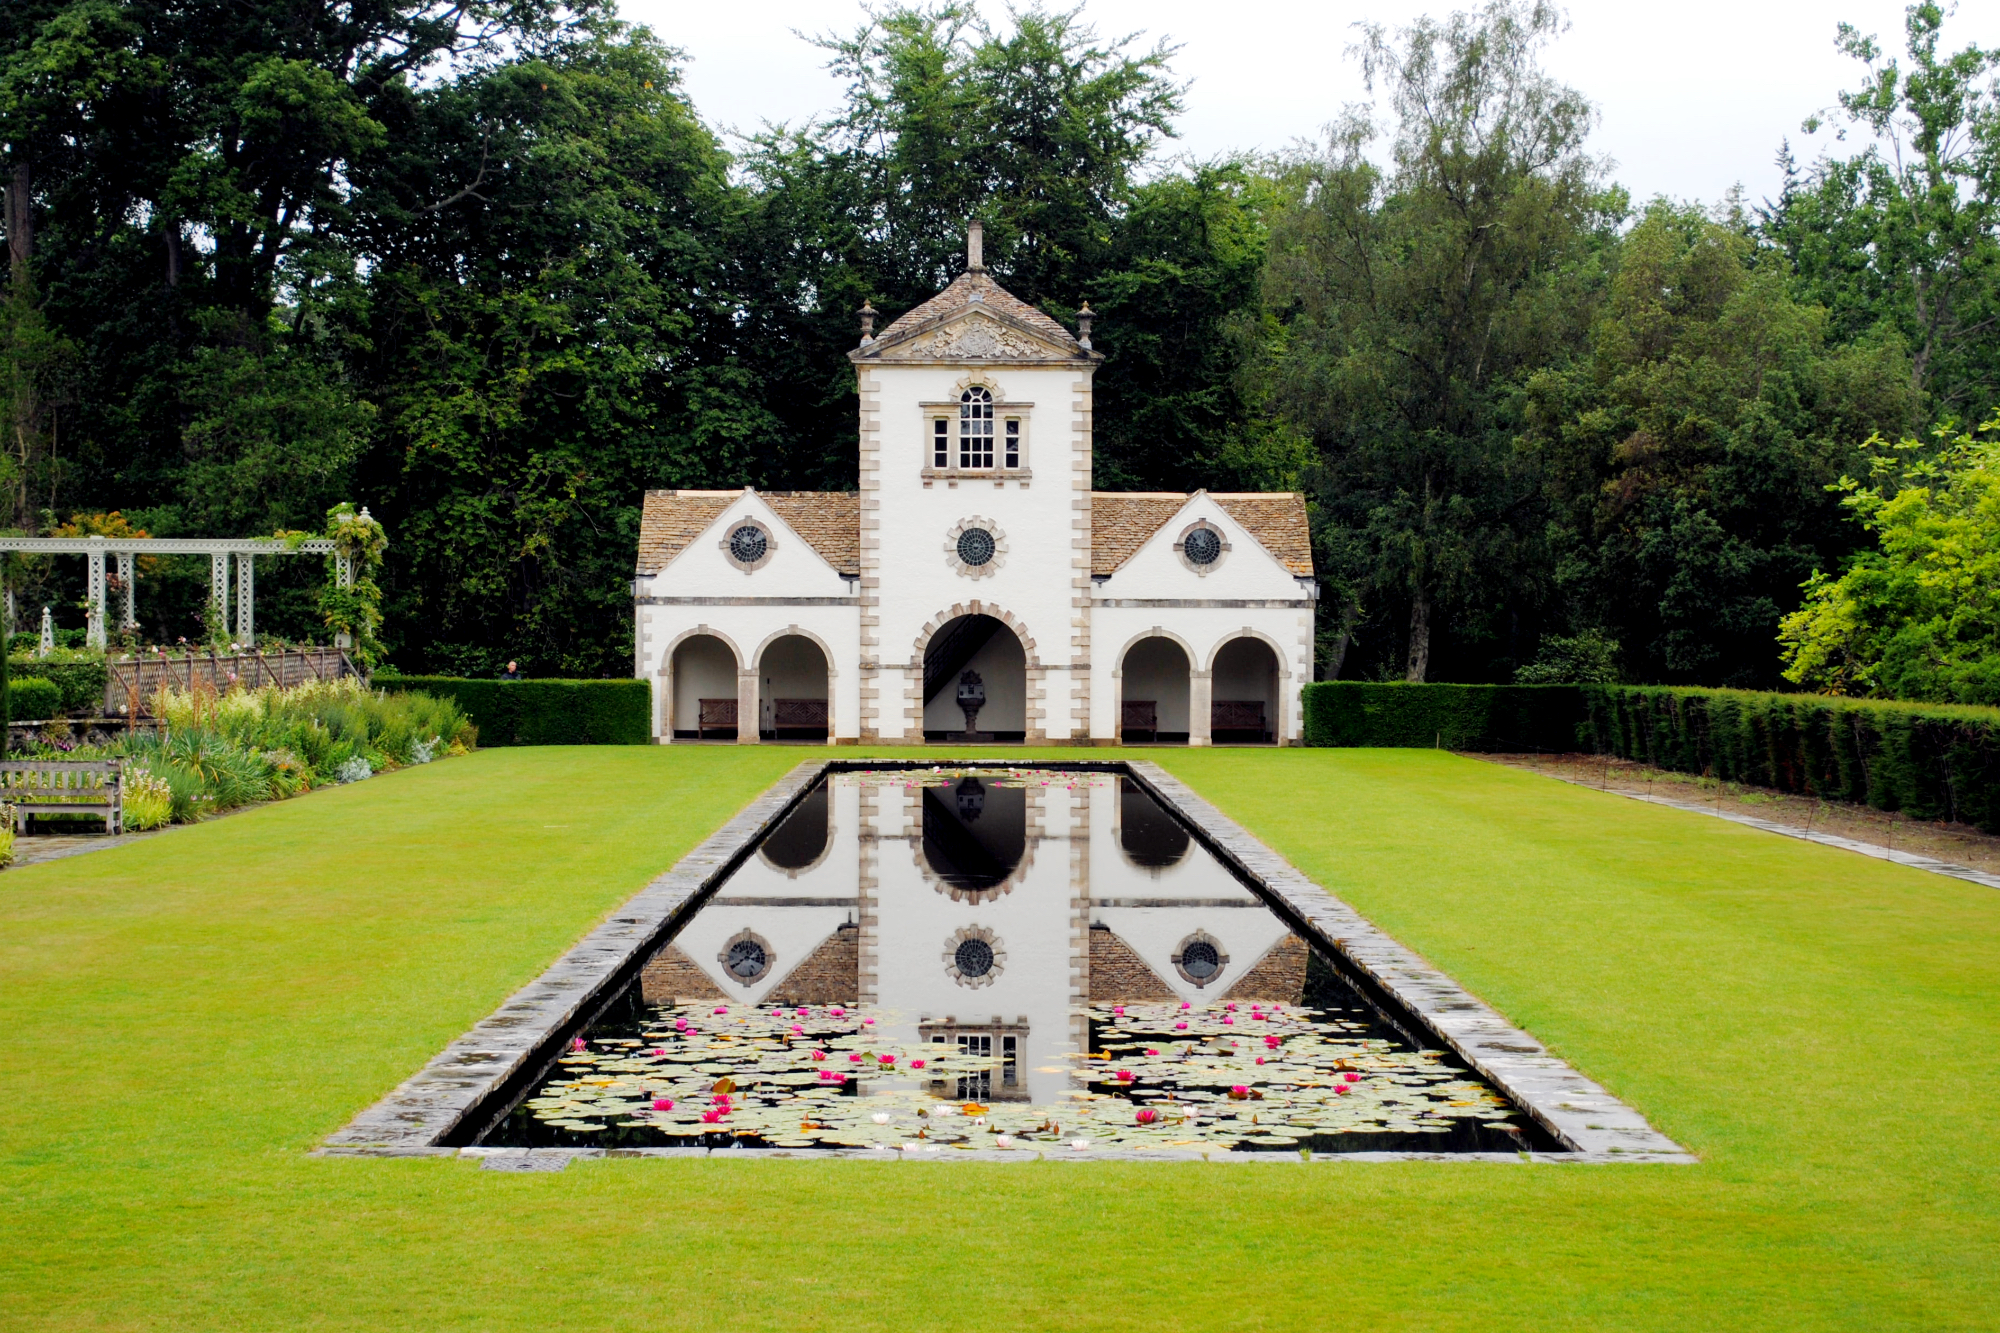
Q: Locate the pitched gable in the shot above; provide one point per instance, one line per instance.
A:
(827, 521)
(1123, 521)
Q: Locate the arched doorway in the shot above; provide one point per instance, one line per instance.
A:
(1243, 693)
(1153, 692)
(981, 656)
(794, 703)
(704, 689)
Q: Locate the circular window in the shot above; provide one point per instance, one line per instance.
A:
(1203, 546)
(975, 546)
(974, 958)
(1200, 959)
(748, 543)
(746, 960)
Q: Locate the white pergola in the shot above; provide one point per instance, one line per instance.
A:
(220, 551)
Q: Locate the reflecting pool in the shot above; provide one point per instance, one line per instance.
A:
(1014, 959)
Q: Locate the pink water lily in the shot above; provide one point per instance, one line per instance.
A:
(886, 1059)
(1273, 1041)
(1186, 1005)
(663, 1103)
(1123, 1076)
(855, 1057)
(1341, 1089)
(1227, 1019)
(722, 1009)
(1118, 1009)
(916, 1064)
(1180, 1027)
(576, 1043)
(1352, 1078)
(1260, 1059)
(659, 1050)
(1146, 1115)
(837, 1011)
(711, 1117)
(1231, 1007)
(797, 1030)
(819, 1055)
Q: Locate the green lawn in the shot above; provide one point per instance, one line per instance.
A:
(190, 1014)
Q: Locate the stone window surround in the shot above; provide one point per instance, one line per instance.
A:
(730, 529)
(747, 936)
(1221, 960)
(983, 935)
(477, 1073)
(1003, 411)
(1222, 558)
(959, 529)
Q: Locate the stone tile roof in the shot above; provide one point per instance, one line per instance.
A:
(1123, 521)
(830, 522)
(978, 284)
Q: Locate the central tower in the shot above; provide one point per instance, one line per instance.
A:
(975, 550)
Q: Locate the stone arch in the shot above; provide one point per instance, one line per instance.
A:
(668, 720)
(767, 719)
(1152, 689)
(1034, 709)
(1224, 692)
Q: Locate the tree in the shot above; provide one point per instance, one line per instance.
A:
(1686, 455)
(1918, 616)
(1902, 240)
(1410, 301)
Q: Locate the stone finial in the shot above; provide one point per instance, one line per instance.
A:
(1084, 318)
(975, 246)
(867, 322)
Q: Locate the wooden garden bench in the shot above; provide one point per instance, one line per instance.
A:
(798, 714)
(1141, 715)
(62, 787)
(1236, 715)
(714, 715)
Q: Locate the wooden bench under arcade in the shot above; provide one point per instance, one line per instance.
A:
(1238, 719)
(715, 715)
(62, 787)
(1140, 717)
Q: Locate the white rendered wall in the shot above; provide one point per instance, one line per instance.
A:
(700, 591)
(1036, 518)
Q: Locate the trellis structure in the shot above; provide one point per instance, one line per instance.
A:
(220, 551)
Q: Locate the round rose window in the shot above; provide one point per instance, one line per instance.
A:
(975, 546)
(1203, 546)
(974, 958)
(748, 543)
(1200, 960)
(747, 960)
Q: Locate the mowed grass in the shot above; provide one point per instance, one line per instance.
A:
(187, 1016)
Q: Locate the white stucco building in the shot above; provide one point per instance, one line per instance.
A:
(974, 567)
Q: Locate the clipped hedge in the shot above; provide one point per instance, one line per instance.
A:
(544, 712)
(1931, 761)
(81, 683)
(32, 699)
(1456, 717)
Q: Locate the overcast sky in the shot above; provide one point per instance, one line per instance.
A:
(1696, 95)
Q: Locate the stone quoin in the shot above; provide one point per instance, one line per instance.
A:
(974, 544)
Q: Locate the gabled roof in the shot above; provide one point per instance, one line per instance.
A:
(828, 521)
(976, 287)
(1123, 521)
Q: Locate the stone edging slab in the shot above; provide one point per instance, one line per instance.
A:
(412, 1120)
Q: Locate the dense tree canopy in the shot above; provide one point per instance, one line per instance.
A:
(481, 266)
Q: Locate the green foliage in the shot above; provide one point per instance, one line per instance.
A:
(1930, 761)
(1686, 457)
(1918, 617)
(1453, 717)
(33, 699)
(1588, 658)
(354, 610)
(216, 753)
(546, 712)
(78, 675)
(1410, 303)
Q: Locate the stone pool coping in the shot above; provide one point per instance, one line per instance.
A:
(412, 1120)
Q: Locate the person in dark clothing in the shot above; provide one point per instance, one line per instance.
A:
(513, 671)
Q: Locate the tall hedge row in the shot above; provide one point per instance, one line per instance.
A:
(544, 712)
(1931, 761)
(80, 683)
(1455, 717)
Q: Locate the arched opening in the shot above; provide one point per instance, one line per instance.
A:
(792, 690)
(1244, 693)
(1147, 834)
(704, 689)
(1153, 692)
(800, 840)
(975, 682)
(975, 834)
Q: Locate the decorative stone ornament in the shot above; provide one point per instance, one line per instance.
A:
(1199, 958)
(974, 957)
(748, 545)
(745, 957)
(976, 548)
(1201, 547)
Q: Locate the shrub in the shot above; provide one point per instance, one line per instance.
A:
(149, 801)
(33, 699)
(545, 712)
(79, 676)
(1457, 717)
(1931, 761)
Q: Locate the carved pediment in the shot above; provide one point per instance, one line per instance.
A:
(975, 335)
